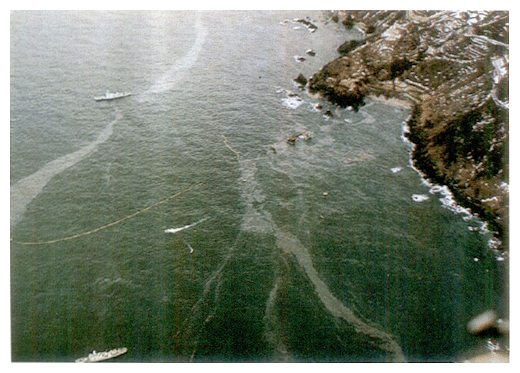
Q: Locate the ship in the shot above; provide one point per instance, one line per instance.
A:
(95, 357)
(112, 96)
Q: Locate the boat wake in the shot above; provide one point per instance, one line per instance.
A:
(175, 230)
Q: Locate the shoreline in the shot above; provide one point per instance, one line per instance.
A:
(392, 101)
(454, 81)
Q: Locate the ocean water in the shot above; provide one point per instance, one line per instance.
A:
(181, 224)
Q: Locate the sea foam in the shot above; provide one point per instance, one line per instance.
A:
(420, 197)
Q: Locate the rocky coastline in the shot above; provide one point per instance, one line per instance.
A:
(453, 68)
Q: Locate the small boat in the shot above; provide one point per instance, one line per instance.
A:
(112, 96)
(94, 357)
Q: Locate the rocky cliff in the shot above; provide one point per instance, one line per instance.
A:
(454, 68)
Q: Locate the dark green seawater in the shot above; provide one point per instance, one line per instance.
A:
(329, 250)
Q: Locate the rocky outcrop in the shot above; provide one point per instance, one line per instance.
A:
(301, 80)
(306, 22)
(349, 46)
(454, 68)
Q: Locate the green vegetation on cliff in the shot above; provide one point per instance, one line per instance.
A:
(454, 68)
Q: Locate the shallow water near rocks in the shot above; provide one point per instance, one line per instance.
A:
(317, 251)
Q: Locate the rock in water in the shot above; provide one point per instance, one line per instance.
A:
(301, 80)
(457, 82)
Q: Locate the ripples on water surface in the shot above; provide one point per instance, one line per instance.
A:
(315, 251)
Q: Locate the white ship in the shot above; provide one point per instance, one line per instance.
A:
(100, 356)
(112, 96)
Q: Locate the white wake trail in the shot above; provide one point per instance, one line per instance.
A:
(25, 190)
(175, 230)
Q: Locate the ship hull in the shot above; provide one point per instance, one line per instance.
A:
(95, 357)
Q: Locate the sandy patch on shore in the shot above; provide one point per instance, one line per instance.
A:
(391, 101)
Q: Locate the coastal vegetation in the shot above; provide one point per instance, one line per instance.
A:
(453, 67)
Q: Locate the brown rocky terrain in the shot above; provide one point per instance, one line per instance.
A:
(454, 68)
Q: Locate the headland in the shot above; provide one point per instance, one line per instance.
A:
(453, 69)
